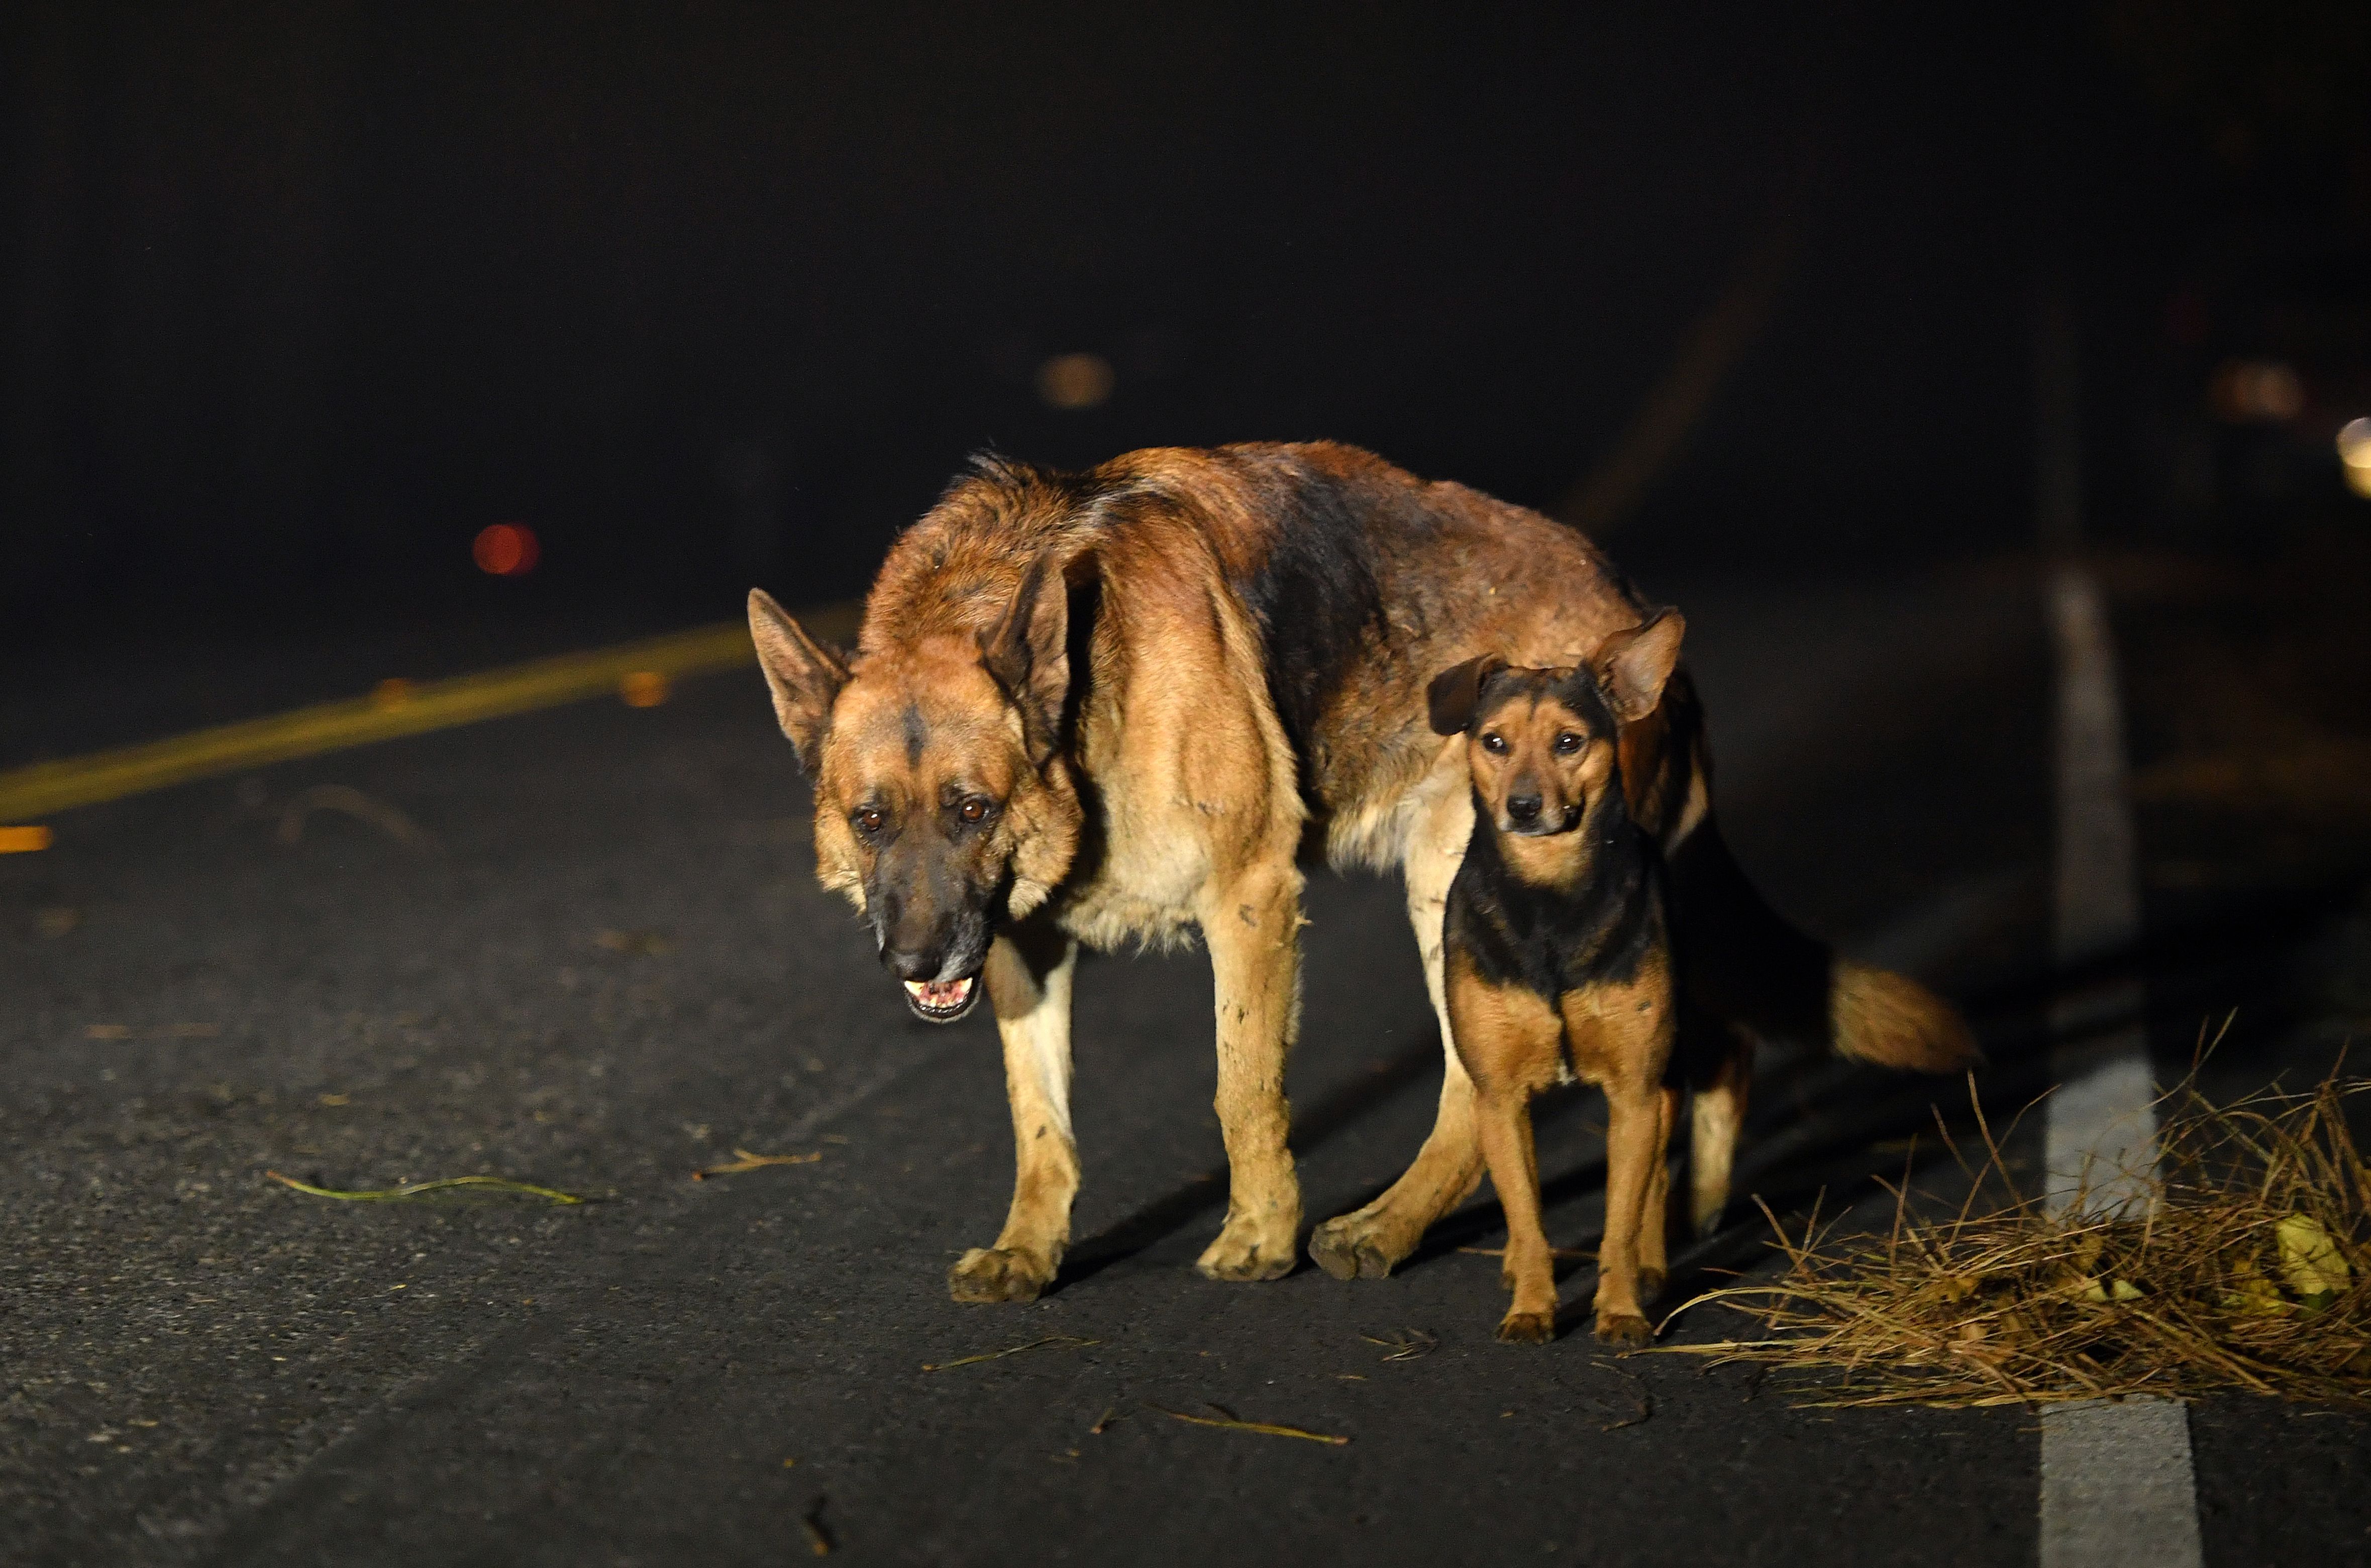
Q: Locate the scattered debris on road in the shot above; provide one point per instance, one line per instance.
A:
(744, 1160)
(1413, 1344)
(363, 808)
(645, 944)
(819, 1540)
(1000, 1355)
(1232, 1423)
(1553, 1252)
(2246, 1267)
(1646, 1407)
(421, 1188)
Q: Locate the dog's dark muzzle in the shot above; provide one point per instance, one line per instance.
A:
(936, 948)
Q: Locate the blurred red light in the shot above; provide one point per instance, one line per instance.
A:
(506, 550)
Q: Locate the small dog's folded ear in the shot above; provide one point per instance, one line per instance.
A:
(1632, 666)
(1454, 692)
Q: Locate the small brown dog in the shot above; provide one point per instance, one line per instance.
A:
(1559, 961)
(1598, 928)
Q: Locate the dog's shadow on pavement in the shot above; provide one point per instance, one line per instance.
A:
(1824, 1131)
(1313, 1125)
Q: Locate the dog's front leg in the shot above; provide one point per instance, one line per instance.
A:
(1028, 977)
(1253, 928)
(1369, 1242)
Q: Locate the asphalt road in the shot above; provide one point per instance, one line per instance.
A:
(605, 964)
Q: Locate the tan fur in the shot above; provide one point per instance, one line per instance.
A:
(1617, 1036)
(1892, 1021)
(1196, 817)
(1147, 788)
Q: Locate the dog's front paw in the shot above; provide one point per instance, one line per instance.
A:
(1247, 1251)
(1350, 1248)
(988, 1274)
(1625, 1329)
(1527, 1328)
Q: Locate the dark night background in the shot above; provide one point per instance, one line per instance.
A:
(300, 297)
(295, 300)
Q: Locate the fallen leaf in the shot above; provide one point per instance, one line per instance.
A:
(2314, 1270)
(2255, 1295)
(1955, 1287)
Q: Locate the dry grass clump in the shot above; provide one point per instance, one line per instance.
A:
(2242, 1262)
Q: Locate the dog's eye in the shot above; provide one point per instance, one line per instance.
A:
(1494, 743)
(973, 809)
(868, 820)
(1567, 744)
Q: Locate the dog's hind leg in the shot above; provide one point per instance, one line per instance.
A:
(1252, 926)
(1028, 975)
(1655, 1218)
(1717, 1117)
(1370, 1241)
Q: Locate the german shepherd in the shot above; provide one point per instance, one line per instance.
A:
(1106, 707)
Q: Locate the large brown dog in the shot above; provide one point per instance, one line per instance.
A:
(1107, 706)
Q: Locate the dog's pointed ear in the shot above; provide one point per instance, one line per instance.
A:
(1454, 693)
(1633, 667)
(1028, 652)
(805, 677)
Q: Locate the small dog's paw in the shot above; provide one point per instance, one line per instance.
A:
(1242, 1253)
(1527, 1328)
(988, 1274)
(1346, 1248)
(1651, 1283)
(1625, 1329)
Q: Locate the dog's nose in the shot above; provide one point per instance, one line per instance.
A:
(1523, 808)
(915, 963)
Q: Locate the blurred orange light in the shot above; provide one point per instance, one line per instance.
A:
(2258, 392)
(643, 688)
(23, 840)
(391, 693)
(1075, 381)
(506, 550)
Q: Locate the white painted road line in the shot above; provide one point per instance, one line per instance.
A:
(2102, 1123)
(2117, 1485)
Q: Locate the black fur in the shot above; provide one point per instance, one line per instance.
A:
(1552, 940)
(1316, 598)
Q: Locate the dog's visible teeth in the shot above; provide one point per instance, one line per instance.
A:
(939, 996)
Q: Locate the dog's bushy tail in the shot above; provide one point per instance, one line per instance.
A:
(1891, 1019)
(1745, 965)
